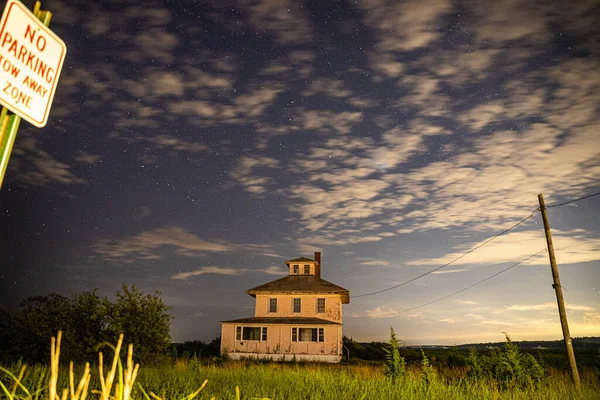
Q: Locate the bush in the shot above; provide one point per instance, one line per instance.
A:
(427, 372)
(509, 368)
(395, 365)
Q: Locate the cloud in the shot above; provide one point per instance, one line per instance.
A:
(386, 65)
(152, 244)
(328, 87)
(244, 173)
(469, 302)
(375, 263)
(406, 25)
(474, 316)
(32, 166)
(87, 158)
(511, 20)
(380, 312)
(207, 270)
(286, 20)
(449, 320)
(246, 108)
(548, 306)
(165, 83)
(571, 247)
(591, 318)
(272, 270)
(449, 271)
(153, 43)
(328, 121)
(496, 322)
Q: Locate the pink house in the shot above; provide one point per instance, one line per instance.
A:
(298, 316)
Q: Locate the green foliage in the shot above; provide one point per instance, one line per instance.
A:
(427, 371)
(145, 322)
(86, 320)
(474, 361)
(395, 365)
(81, 317)
(310, 381)
(509, 368)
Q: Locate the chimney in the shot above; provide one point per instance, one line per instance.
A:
(318, 267)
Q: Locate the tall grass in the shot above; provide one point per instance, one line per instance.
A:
(256, 380)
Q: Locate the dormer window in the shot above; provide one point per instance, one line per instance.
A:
(306, 269)
(296, 269)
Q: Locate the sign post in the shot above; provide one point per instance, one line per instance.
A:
(31, 58)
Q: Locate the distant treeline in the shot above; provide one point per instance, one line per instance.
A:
(582, 343)
(197, 349)
(548, 353)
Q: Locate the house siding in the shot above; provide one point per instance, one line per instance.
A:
(333, 306)
(279, 342)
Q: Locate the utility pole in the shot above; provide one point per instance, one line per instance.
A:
(559, 296)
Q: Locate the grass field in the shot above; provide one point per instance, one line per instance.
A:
(262, 380)
(312, 381)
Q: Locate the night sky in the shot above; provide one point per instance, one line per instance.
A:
(194, 146)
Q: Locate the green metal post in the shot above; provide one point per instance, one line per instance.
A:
(9, 125)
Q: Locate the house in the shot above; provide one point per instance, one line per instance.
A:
(299, 315)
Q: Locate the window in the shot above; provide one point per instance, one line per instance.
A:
(307, 269)
(273, 305)
(321, 305)
(297, 306)
(296, 269)
(308, 335)
(251, 333)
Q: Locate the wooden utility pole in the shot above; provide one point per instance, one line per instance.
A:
(559, 296)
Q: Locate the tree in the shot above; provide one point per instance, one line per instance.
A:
(90, 318)
(352, 346)
(40, 318)
(145, 322)
(26, 332)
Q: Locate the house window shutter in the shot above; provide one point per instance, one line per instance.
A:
(314, 334)
(238, 333)
(264, 334)
(294, 334)
(321, 335)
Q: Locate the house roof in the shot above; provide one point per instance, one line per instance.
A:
(301, 259)
(300, 284)
(282, 321)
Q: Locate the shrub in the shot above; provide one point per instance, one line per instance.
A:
(427, 373)
(509, 368)
(395, 365)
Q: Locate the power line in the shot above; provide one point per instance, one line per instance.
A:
(573, 201)
(470, 286)
(451, 262)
